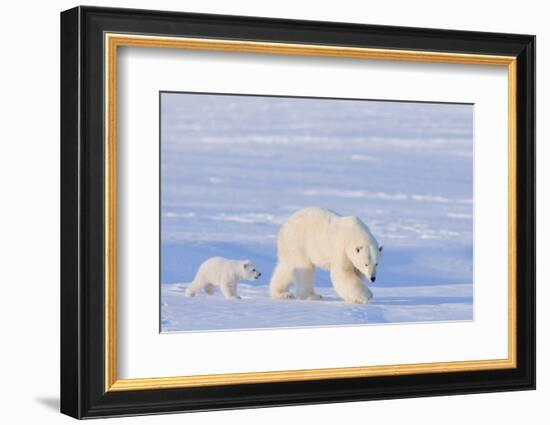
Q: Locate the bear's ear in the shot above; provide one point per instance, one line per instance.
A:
(380, 248)
(246, 263)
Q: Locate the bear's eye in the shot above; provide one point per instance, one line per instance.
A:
(253, 270)
(358, 249)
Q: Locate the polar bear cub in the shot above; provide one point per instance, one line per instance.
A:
(315, 237)
(223, 273)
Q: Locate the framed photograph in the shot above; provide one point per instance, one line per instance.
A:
(261, 212)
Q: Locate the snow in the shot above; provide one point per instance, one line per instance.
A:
(235, 167)
(256, 310)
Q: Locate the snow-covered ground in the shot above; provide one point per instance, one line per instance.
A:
(234, 167)
(256, 310)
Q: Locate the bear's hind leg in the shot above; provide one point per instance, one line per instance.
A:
(192, 288)
(280, 281)
(209, 289)
(304, 284)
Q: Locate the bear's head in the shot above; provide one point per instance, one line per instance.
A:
(250, 272)
(362, 249)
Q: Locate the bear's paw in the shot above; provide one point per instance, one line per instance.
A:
(359, 299)
(284, 296)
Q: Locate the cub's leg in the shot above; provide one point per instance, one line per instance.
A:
(195, 286)
(350, 287)
(229, 290)
(280, 281)
(209, 289)
(304, 284)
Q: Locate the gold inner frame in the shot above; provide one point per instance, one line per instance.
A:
(113, 41)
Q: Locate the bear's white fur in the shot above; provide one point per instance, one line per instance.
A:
(223, 273)
(315, 237)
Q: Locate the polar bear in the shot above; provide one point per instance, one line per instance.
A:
(315, 237)
(223, 273)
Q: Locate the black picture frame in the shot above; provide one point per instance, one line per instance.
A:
(83, 392)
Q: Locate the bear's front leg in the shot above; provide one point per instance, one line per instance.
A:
(370, 295)
(229, 290)
(350, 287)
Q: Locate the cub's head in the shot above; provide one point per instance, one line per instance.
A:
(250, 272)
(361, 247)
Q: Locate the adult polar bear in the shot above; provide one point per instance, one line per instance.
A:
(315, 237)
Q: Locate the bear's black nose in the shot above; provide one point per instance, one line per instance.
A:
(373, 279)
(259, 274)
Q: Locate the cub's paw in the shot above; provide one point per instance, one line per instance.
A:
(314, 297)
